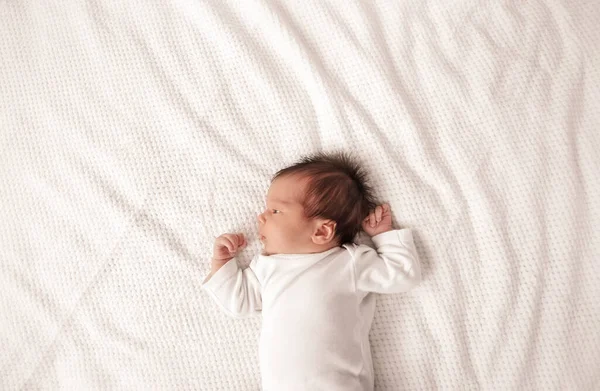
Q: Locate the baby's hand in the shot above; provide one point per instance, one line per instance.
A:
(227, 245)
(378, 221)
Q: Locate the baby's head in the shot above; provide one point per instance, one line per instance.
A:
(315, 205)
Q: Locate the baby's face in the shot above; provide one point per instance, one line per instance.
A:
(283, 229)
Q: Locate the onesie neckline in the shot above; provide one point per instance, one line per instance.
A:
(301, 256)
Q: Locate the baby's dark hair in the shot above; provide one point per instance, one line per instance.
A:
(336, 189)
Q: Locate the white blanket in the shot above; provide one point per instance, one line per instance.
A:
(133, 133)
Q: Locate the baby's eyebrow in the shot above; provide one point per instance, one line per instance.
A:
(278, 201)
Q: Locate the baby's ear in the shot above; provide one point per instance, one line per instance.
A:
(325, 232)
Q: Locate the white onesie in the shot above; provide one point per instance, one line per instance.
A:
(317, 309)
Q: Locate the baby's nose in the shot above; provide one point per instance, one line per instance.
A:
(260, 218)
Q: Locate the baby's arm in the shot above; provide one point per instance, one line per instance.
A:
(225, 248)
(235, 290)
(394, 267)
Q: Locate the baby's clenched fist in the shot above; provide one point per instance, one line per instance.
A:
(378, 221)
(227, 245)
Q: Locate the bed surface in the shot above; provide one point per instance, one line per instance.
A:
(131, 135)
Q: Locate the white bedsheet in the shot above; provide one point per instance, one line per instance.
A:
(133, 133)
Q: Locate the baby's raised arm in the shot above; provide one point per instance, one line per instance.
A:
(236, 291)
(225, 248)
(394, 267)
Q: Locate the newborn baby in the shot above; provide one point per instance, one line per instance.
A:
(312, 284)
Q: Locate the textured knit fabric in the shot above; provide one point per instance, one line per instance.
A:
(317, 309)
(133, 133)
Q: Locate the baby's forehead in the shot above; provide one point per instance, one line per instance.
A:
(287, 190)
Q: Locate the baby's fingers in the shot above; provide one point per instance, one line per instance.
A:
(228, 241)
(378, 213)
(229, 244)
(386, 209)
(372, 219)
(241, 240)
(235, 241)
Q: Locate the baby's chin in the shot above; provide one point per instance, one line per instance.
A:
(263, 250)
(266, 253)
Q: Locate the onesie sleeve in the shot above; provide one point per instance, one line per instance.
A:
(237, 291)
(393, 268)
